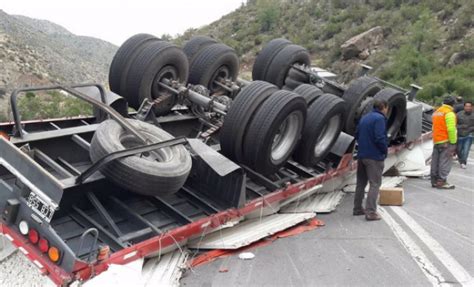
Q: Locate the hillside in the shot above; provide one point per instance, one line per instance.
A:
(430, 42)
(38, 52)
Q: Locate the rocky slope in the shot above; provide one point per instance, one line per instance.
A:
(430, 42)
(38, 52)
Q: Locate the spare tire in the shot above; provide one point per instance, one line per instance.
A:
(323, 125)
(397, 109)
(239, 116)
(359, 89)
(309, 92)
(277, 70)
(158, 61)
(265, 57)
(143, 174)
(123, 57)
(195, 45)
(213, 62)
(274, 132)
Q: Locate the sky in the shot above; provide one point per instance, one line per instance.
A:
(115, 21)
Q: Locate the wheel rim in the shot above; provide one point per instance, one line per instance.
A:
(325, 138)
(167, 72)
(285, 138)
(160, 155)
(222, 73)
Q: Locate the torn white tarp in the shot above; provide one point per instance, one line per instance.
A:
(249, 231)
(387, 182)
(165, 270)
(119, 275)
(319, 203)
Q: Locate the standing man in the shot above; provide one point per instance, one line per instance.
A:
(371, 136)
(465, 132)
(444, 139)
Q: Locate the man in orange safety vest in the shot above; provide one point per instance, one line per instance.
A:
(444, 139)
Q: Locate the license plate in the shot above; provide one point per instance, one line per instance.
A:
(40, 207)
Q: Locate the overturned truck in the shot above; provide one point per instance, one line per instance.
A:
(202, 149)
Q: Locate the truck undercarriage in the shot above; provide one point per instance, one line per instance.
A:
(64, 209)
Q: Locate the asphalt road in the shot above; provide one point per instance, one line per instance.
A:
(427, 241)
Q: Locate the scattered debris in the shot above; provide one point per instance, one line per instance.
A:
(246, 256)
(319, 203)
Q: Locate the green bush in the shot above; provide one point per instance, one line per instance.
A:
(51, 105)
(458, 80)
(268, 14)
(407, 66)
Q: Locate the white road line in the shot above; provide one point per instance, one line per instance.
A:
(430, 271)
(459, 235)
(461, 275)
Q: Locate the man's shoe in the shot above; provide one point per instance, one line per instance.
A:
(463, 166)
(358, 212)
(372, 216)
(444, 185)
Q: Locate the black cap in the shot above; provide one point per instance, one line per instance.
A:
(449, 100)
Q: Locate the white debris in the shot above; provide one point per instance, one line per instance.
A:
(246, 256)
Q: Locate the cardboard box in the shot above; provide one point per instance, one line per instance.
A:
(391, 196)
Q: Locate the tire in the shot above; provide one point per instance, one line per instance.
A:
(298, 75)
(196, 44)
(309, 92)
(141, 174)
(213, 61)
(265, 57)
(292, 84)
(239, 116)
(397, 109)
(329, 89)
(260, 152)
(124, 55)
(358, 90)
(157, 61)
(323, 125)
(278, 69)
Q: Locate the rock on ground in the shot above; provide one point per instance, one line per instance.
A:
(360, 45)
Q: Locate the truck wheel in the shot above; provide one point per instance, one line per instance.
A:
(274, 132)
(239, 116)
(278, 69)
(397, 109)
(265, 57)
(158, 61)
(358, 90)
(213, 62)
(161, 172)
(321, 130)
(309, 92)
(196, 44)
(295, 78)
(123, 57)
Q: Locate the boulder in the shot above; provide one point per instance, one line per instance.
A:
(362, 43)
(458, 58)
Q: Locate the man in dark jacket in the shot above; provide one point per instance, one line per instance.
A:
(465, 125)
(371, 136)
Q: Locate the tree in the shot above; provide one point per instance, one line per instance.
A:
(267, 15)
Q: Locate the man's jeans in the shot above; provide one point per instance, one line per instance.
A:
(441, 162)
(464, 145)
(368, 170)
